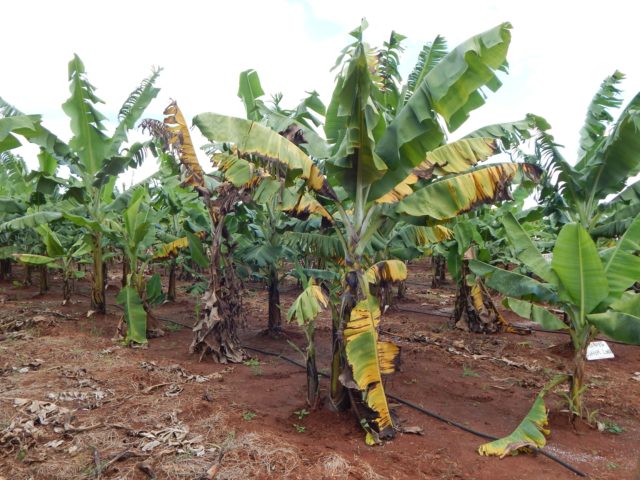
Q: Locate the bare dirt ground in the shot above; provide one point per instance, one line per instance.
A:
(74, 404)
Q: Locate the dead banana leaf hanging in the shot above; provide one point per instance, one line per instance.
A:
(180, 140)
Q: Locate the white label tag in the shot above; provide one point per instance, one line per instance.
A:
(598, 351)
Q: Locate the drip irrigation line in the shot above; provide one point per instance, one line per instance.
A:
(543, 330)
(535, 329)
(432, 312)
(431, 414)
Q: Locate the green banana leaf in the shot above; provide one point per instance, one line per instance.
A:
(134, 315)
(617, 325)
(197, 250)
(526, 251)
(31, 220)
(452, 89)
(621, 265)
(513, 284)
(535, 313)
(579, 268)
(89, 139)
(32, 259)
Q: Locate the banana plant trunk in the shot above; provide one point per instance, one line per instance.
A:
(439, 271)
(313, 382)
(402, 290)
(125, 271)
(577, 380)
(44, 279)
(67, 286)
(27, 276)
(475, 310)
(171, 290)
(98, 302)
(5, 269)
(215, 332)
(339, 394)
(274, 326)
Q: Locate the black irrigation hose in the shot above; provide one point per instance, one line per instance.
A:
(432, 312)
(431, 414)
(542, 330)
(535, 329)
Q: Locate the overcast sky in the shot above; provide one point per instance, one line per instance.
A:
(559, 54)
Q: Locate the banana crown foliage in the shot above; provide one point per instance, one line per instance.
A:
(608, 155)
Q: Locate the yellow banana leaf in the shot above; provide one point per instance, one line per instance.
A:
(400, 191)
(451, 196)
(305, 206)
(456, 157)
(168, 249)
(369, 359)
(387, 271)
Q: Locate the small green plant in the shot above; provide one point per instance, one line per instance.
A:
(612, 466)
(254, 363)
(301, 413)
(610, 426)
(249, 415)
(299, 428)
(21, 455)
(469, 372)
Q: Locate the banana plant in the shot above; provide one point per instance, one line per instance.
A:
(588, 285)
(137, 233)
(608, 155)
(94, 158)
(388, 160)
(59, 254)
(304, 309)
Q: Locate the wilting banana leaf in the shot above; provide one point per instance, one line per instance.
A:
(197, 250)
(308, 304)
(531, 433)
(171, 249)
(369, 359)
(387, 271)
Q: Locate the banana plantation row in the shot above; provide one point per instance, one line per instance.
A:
(342, 211)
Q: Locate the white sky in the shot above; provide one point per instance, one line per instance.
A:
(560, 51)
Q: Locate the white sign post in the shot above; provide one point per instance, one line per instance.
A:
(599, 351)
